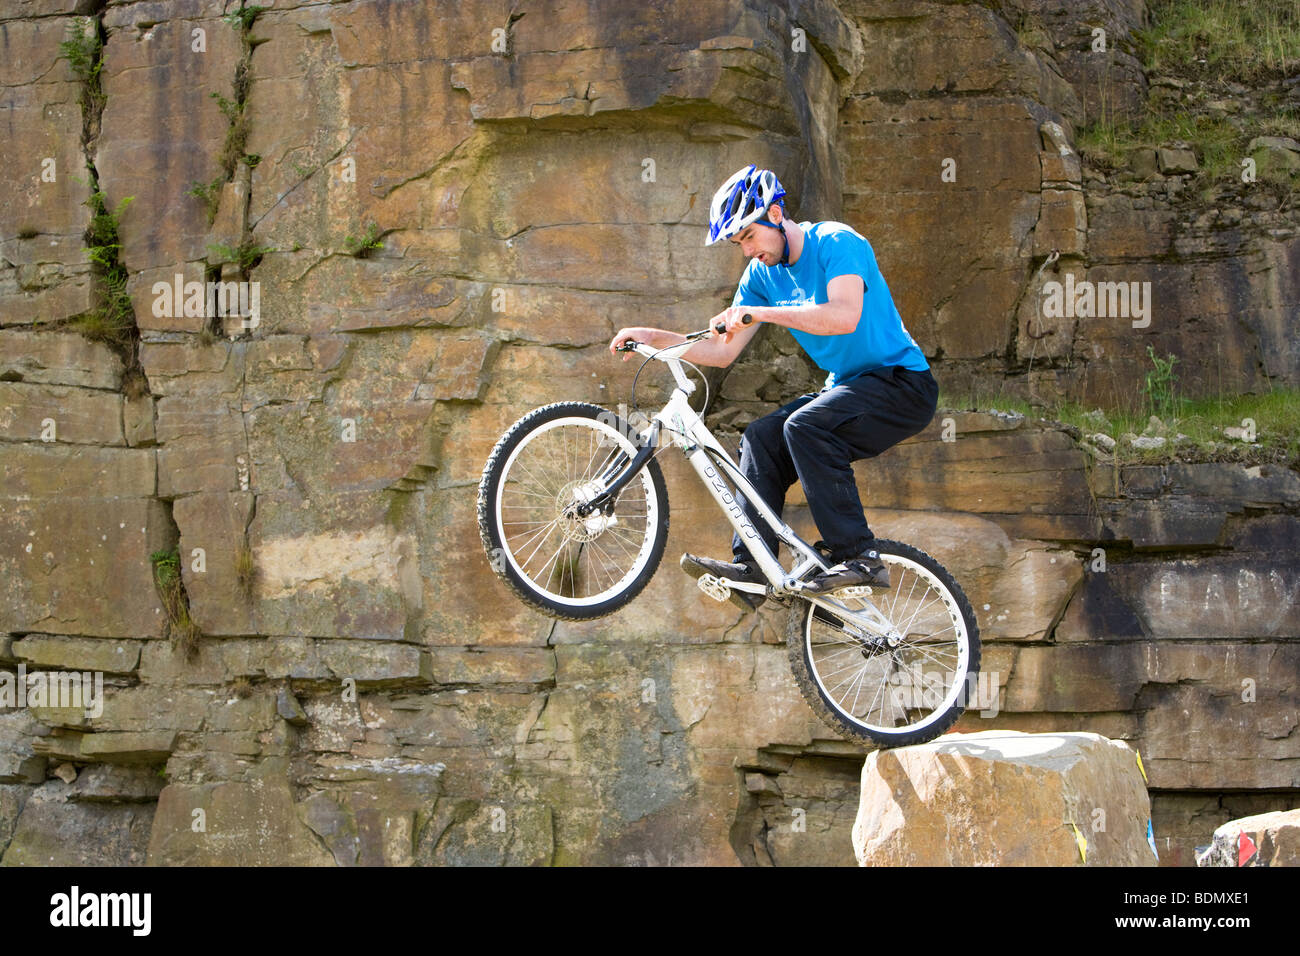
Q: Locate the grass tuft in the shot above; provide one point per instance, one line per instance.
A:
(181, 629)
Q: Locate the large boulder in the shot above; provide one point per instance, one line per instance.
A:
(1004, 798)
(1266, 839)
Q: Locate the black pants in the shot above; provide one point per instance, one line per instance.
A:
(814, 439)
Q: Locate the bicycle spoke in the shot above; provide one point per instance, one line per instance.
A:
(930, 644)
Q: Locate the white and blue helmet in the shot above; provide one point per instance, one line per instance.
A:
(744, 198)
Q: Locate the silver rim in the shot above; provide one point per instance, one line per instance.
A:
(568, 560)
(904, 688)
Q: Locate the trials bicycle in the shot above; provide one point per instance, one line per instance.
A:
(573, 513)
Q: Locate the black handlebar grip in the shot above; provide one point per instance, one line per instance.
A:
(745, 319)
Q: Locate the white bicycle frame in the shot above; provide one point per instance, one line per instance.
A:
(689, 433)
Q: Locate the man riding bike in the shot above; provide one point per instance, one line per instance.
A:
(819, 280)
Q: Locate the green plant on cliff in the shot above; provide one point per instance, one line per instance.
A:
(114, 321)
(1159, 384)
(246, 255)
(232, 150)
(245, 568)
(1218, 144)
(1240, 40)
(361, 246)
(243, 18)
(182, 630)
(1194, 431)
(1214, 49)
(83, 49)
(210, 194)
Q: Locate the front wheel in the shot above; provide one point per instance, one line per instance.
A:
(890, 692)
(565, 564)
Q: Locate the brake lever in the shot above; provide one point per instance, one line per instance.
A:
(745, 319)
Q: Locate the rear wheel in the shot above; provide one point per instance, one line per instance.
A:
(565, 564)
(890, 692)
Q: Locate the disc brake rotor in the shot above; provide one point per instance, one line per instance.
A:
(572, 525)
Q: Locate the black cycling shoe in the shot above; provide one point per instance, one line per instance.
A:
(698, 567)
(864, 569)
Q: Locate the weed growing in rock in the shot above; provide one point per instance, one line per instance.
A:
(237, 130)
(1159, 385)
(134, 383)
(242, 687)
(362, 246)
(210, 194)
(83, 49)
(1195, 431)
(114, 321)
(1246, 42)
(245, 569)
(182, 630)
(243, 18)
(1209, 49)
(247, 255)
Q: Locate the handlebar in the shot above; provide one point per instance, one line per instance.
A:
(632, 345)
(745, 319)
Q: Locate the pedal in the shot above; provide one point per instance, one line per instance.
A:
(714, 587)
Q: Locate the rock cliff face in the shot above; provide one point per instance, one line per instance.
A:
(447, 210)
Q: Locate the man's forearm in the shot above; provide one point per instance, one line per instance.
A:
(828, 318)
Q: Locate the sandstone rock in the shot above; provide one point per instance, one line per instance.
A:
(138, 421)
(1279, 152)
(246, 824)
(914, 799)
(117, 784)
(52, 830)
(56, 412)
(987, 190)
(288, 708)
(1105, 442)
(1144, 163)
(1030, 482)
(453, 665)
(332, 566)
(19, 762)
(74, 561)
(157, 95)
(73, 653)
(1270, 839)
(12, 799)
(1098, 613)
(489, 835)
(1173, 162)
(58, 471)
(53, 358)
(219, 594)
(1147, 442)
(44, 276)
(129, 746)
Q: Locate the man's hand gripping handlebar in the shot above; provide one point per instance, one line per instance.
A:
(631, 345)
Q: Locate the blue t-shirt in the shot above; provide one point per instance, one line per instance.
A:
(833, 249)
